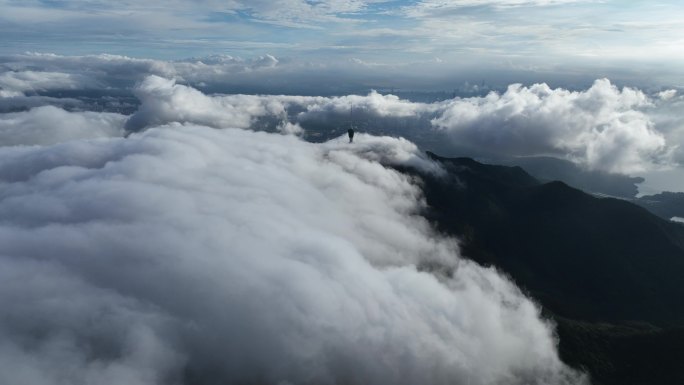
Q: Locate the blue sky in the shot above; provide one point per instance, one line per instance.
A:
(506, 35)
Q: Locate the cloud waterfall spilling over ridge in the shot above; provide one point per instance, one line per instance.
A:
(186, 254)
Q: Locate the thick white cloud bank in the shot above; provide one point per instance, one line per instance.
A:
(602, 127)
(27, 81)
(190, 255)
(163, 101)
(50, 125)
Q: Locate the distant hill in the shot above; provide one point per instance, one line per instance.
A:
(666, 204)
(598, 266)
(594, 181)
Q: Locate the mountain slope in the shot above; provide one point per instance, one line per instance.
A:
(585, 257)
(598, 266)
(666, 204)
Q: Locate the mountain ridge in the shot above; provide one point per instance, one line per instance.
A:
(599, 267)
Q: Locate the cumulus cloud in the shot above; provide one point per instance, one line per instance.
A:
(22, 81)
(10, 93)
(50, 125)
(19, 88)
(667, 116)
(384, 150)
(603, 127)
(164, 101)
(374, 104)
(17, 101)
(290, 128)
(186, 254)
(667, 94)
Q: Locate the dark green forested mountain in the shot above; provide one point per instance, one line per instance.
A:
(608, 271)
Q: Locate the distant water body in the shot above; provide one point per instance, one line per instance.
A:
(663, 180)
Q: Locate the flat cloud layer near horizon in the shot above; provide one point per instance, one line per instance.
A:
(186, 254)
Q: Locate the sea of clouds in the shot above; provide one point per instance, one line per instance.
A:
(603, 127)
(177, 244)
(186, 254)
